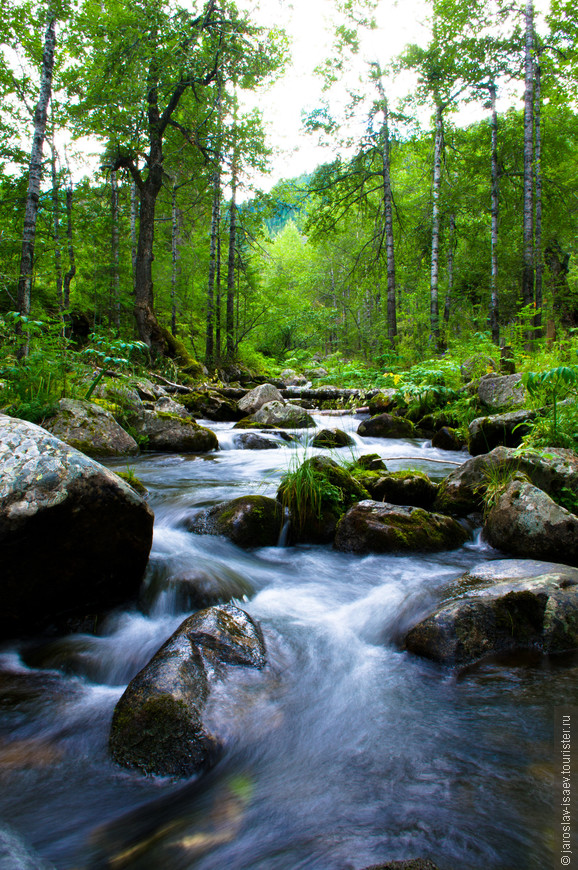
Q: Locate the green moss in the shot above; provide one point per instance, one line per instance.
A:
(166, 415)
(132, 480)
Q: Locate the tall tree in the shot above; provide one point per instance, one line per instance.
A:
(528, 209)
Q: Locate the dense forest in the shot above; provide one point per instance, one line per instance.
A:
(423, 235)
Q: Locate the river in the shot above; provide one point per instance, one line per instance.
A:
(345, 751)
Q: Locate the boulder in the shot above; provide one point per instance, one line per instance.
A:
(261, 395)
(525, 521)
(316, 496)
(461, 491)
(504, 609)
(248, 521)
(166, 432)
(405, 487)
(286, 416)
(501, 392)
(386, 426)
(377, 527)
(159, 724)
(211, 405)
(447, 438)
(148, 391)
(121, 399)
(90, 429)
(291, 379)
(382, 402)
(74, 537)
(485, 433)
(166, 405)
(318, 372)
(331, 438)
(253, 441)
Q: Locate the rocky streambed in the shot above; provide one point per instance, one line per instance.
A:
(331, 744)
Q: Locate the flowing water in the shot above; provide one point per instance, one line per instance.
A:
(345, 751)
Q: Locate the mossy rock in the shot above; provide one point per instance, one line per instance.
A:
(406, 487)
(375, 527)
(332, 438)
(387, 426)
(133, 481)
(248, 521)
(247, 423)
(315, 512)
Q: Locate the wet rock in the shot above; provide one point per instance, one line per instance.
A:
(252, 441)
(331, 438)
(166, 432)
(195, 589)
(261, 395)
(248, 521)
(405, 488)
(286, 416)
(525, 521)
(461, 491)
(122, 400)
(500, 613)
(74, 537)
(147, 390)
(501, 392)
(485, 433)
(165, 405)
(371, 462)
(315, 506)
(376, 527)
(447, 438)
(386, 426)
(211, 405)
(90, 429)
(292, 379)
(159, 725)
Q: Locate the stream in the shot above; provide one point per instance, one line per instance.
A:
(344, 752)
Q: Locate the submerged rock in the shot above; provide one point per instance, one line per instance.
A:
(74, 537)
(331, 438)
(448, 438)
(252, 441)
(386, 426)
(376, 527)
(91, 429)
(502, 612)
(193, 589)
(248, 521)
(525, 521)
(159, 724)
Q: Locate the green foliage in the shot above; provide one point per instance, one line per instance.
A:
(104, 352)
(305, 492)
(559, 427)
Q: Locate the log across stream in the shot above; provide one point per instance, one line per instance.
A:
(346, 751)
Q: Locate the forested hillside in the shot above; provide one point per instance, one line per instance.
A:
(445, 218)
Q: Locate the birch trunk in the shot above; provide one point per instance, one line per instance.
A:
(133, 213)
(218, 342)
(528, 228)
(494, 298)
(229, 324)
(539, 263)
(448, 302)
(35, 173)
(388, 216)
(435, 236)
(56, 223)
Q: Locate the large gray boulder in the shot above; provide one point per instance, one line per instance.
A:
(172, 433)
(501, 392)
(461, 492)
(508, 430)
(248, 521)
(386, 426)
(507, 606)
(91, 429)
(255, 399)
(525, 521)
(283, 415)
(74, 537)
(377, 527)
(159, 724)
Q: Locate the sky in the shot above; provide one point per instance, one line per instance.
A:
(309, 25)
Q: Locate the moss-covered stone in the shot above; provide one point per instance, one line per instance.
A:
(387, 426)
(248, 521)
(376, 527)
(405, 487)
(332, 438)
